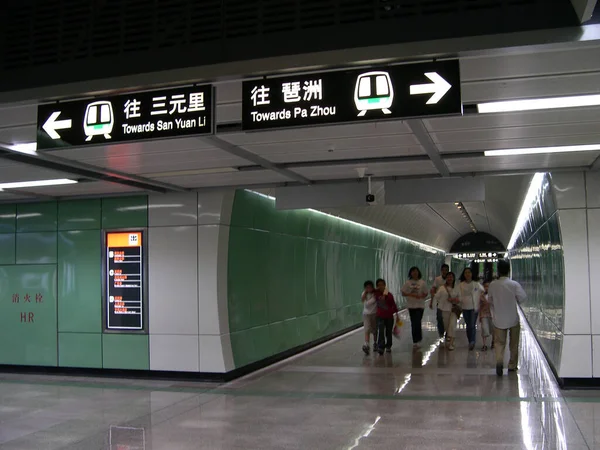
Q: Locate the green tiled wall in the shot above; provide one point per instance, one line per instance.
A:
(28, 315)
(55, 248)
(125, 351)
(296, 276)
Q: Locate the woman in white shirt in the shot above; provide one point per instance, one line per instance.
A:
(470, 292)
(446, 299)
(415, 292)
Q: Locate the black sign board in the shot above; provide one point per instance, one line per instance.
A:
(130, 117)
(124, 281)
(392, 92)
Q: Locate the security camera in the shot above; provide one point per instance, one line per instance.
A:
(370, 198)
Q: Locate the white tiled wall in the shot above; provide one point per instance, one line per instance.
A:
(569, 190)
(592, 184)
(173, 209)
(576, 361)
(596, 356)
(174, 353)
(173, 280)
(573, 227)
(187, 258)
(593, 217)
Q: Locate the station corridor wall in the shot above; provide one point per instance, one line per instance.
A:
(50, 284)
(556, 259)
(538, 264)
(231, 280)
(296, 276)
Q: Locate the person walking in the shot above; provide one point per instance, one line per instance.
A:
(415, 292)
(470, 292)
(386, 309)
(504, 295)
(437, 283)
(447, 299)
(369, 315)
(485, 317)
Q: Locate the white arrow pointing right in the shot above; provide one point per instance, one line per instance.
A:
(438, 88)
(52, 125)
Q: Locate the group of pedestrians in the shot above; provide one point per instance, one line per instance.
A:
(492, 305)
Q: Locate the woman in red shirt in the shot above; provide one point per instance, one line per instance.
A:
(386, 309)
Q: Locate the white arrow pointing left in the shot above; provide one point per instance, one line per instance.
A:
(52, 125)
(438, 88)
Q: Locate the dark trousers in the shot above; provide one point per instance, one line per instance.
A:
(384, 328)
(440, 323)
(470, 317)
(416, 316)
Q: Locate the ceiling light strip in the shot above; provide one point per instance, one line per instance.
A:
(531, 199)
(577, 101)
(36, 183)
(422, 246)
(541, 150)
(466, 215)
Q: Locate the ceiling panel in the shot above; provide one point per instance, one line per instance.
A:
(84, 189)
(359, 143)
(573, 60)
(226, 179)
(524, 132)
(360, 129)
(514, 119)
(478, 213)
(519, 88)
(14, 171)
(542, 161)
(339, 154)
(451, 214)
(377, 169)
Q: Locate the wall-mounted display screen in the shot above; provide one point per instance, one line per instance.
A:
(124, 280)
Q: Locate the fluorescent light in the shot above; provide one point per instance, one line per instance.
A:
(537, 150)
(36, 183)
(530, 200)
(539, 103)
(28, 148)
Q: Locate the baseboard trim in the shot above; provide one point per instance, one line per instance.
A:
(173, 375)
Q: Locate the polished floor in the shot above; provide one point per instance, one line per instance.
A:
(333, 397)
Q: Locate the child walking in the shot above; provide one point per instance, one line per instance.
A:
(386, 311)
(369, 316)
(485, 317)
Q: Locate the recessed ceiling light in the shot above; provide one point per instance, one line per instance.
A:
(538, 150)
(36, 183)
(539, 103)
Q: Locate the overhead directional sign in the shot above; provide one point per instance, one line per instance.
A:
(143, 115)
(392, 92)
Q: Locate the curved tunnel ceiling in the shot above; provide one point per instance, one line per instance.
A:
(441, 224)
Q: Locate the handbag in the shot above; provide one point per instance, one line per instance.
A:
(456, 308)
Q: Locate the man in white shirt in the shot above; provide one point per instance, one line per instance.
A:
(504, 295)
(439, 281)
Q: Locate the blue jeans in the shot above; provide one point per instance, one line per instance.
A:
(440, 323)
(470, 320)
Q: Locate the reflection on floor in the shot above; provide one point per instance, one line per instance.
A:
(331, 398)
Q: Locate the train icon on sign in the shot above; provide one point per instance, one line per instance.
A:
(99, 120)
(373, 91)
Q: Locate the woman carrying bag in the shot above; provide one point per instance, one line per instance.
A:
(447, 300)
(470, 293)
